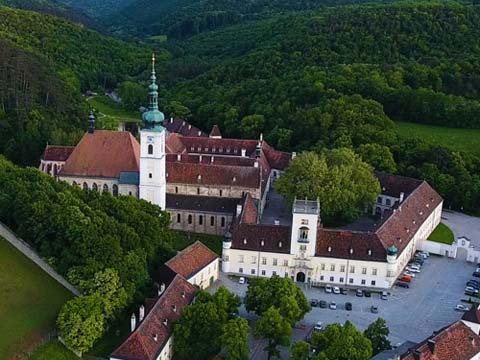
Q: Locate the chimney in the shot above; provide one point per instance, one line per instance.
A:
(174, 308)
(161, 289)
(294, 155)
(239, 209)
(133, 322)
(244, 152)
(165, 322)
(402, 195)
(141, 313)
(255, 164)
(179, 157)
(183, 294)
(276, 222)
(431, 345)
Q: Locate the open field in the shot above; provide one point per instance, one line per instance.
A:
(465, 140)
(53, 350)
(29, 302)
(109, 114)
(442, 234)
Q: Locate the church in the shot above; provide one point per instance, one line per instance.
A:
(213, 185)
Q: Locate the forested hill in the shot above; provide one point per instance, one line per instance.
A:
(338, 77)
(45, 62)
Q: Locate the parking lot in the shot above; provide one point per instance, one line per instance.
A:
(411, 314)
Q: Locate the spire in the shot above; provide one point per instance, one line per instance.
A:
(91, 122)
(153, 118)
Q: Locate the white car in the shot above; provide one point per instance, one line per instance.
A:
(461, 307)
(241, 280)
(328, 289)
(318, 326)
(415, 266)
(333, 305)
(336, 290)
(409, 273)
(414, 270)
(471, 289)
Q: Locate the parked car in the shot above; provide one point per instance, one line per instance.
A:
(359, 293)
(418, 262)
(412, 269)
(314, 302)
(415, 266)
(328, 289)
(471, 289)
(322, 304)
(402, 284)
(333, 305)
(473, 284)
(476, 274)
(471, 293)
(348, 306)
(318, 326)
(475, 281)
(367, 293)
(241, 280)
(343, 291)
(384, 295)
(461, 307)
(409, 273)
(336, 290)
(374, 309)
(405, 278)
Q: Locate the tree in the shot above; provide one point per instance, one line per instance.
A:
(252, 125)
(377, 332)
(81, 322)
(344, 184)
(235, 339)
(177, 110)
(132, 94)
(273, 327)
(378, 156)
(339, 342)
(299, 350)
(280, 293)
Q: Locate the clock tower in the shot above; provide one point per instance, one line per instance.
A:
(153, 183)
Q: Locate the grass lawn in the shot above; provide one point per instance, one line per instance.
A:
(53, 350)
(442, 234)
(29, 301)
(465, 140)
(214, 242)
(110, 114)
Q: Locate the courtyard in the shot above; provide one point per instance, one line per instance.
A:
(411, 314)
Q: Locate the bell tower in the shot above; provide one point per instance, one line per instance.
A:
(153, 183)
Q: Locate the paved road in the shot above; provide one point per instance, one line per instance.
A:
(463, 225)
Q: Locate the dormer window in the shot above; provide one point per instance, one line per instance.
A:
(279, 244)
(329, 249)
(351, 251)
(369, 252)
(174, 308)
(199, 177)
(234, 179)
(245, 241)
(165, 322)
(262, 243)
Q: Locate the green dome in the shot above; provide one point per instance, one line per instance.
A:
(392, 250)
(153, 117)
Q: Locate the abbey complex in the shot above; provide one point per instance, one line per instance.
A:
(210, 184)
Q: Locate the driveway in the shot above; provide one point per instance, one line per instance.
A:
(463, 225)
(411, 314)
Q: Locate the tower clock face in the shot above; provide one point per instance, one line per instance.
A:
(149, 139)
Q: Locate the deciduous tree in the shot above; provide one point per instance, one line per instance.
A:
(235, 339)
(275, 329)
(377, 332)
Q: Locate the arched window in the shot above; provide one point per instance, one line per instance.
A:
(150, 149)
(54, 169)
(389, 202)
(179, 218)
(85, 186)
(94, 187)
(74, 183)
(190, 219)
(115, 190)
(303, 233)
(105, 188)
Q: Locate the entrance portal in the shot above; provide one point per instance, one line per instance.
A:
(301, 277)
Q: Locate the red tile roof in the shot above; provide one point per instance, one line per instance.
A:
(268, 238)
(393, 185)
(182, 127)
(211, 159)
(141, 344)
(454, 342)
(191, 260)
(103, 154)
(202, 174)
(278, 159)
(57, 153)
(211, 204)
(215, 131)
(249, 213)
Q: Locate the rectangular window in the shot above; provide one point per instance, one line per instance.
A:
(198, 191)
(352, 269)
(389, 273)
(212, 220)
(285, 262)
(322, 266)
(264, 261)
(179, 218)
(286, 274)
(374, 272)
(241, 259)
(274, 273)
(332, 267)
(240, 270)
(221, 192)
(331, 278)
(223, 221)
(364, 270)
(363, 282)
(350, 281)
(263, 272)
(379, 200)
(253, 272)
(274, 262)
(342, 268)
(200, 220)
(303, 247)
(150, 175)
(176, 189)
(254, 259)
(321, 277)
(373, 282)
(304, 221)
(341, 280)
